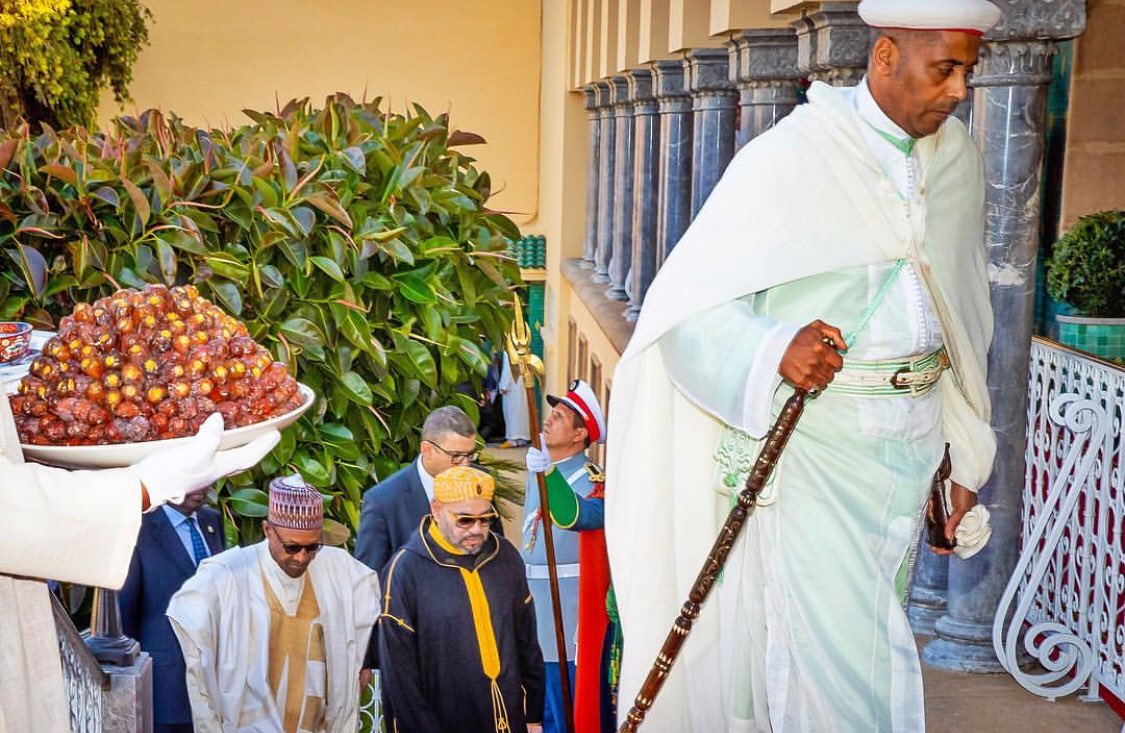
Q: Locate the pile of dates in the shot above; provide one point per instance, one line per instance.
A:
(148, 365)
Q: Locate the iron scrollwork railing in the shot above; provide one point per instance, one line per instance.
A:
(1068, 587)
(83, 678)
(371, 707)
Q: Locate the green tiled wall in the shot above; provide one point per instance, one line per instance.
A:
(1100, 339)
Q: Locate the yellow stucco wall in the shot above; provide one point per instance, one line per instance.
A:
(479, 60)
(1094, 171)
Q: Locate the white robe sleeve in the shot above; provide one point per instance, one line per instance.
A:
(725, 360)
(972, 443)
(194, 615)
(72, 526)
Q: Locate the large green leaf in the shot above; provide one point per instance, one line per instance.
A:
(414, 288)
(356, 389)
(302, 332)
(328, 267)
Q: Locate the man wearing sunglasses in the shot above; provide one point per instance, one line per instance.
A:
(457, 641)
(393, 507)
(274, 634)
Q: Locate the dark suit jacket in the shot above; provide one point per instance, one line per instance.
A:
(392, 510)
(160, 565)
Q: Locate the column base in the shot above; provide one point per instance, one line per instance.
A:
(617, 293)
(923, 617)
(120, 651)
(601, 278)
(962, 646)
(632, 313)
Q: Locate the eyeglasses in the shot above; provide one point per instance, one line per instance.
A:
(457, 456)
(293, 548)
(467, 521)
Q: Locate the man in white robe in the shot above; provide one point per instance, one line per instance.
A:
(513, 395)
(861, 215)
(78, 527)
(274, 634)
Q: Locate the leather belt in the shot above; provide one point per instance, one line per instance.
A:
(913, 376)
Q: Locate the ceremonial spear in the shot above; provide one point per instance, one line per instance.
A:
(775, 442)
(528, 366)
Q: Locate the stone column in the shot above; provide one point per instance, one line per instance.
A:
(646, 152)
(622, 189)
(832, 44)
(763, 64)
(606, 171)
(590, 245)
(714, 100)
(1009, 112)
(674, 166)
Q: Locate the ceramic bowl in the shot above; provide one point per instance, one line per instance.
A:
(15, 340)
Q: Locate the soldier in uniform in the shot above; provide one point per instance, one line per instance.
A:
(575, 489)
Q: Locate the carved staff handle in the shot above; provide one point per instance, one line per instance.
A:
(775, 442)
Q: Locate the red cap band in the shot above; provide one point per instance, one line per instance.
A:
(587, 415)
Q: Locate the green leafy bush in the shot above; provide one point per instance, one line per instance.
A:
(56, 56)
(1087, 266)
(355, 244)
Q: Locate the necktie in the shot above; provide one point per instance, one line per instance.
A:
(198, 549)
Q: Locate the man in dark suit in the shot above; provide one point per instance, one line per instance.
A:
(173, 541)
(393, 508)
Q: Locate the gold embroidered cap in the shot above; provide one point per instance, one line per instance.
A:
(461, 483)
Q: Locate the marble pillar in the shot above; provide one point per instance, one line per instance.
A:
(1008, 114)
(606, 173)
(763, 65)
(590, 243)
(714, 100)
(622, 231)
(832, 44)
(646, 154)
(674, 165)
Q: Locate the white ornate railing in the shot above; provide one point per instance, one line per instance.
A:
(82, 675)
(371, 708)
(1068, 588)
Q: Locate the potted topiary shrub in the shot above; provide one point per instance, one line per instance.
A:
(1087, 270)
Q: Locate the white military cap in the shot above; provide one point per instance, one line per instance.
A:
(581, 398)
(966, 16)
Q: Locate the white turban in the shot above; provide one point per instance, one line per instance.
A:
(967, 16)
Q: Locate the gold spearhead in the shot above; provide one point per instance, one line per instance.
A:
(524, 363)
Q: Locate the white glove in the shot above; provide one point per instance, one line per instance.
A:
(538, 461)
(170, 474)
(972, 532)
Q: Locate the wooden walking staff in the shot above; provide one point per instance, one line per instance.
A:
(528, 366)
(775, 442)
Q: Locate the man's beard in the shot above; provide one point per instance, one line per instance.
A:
(473, 550)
